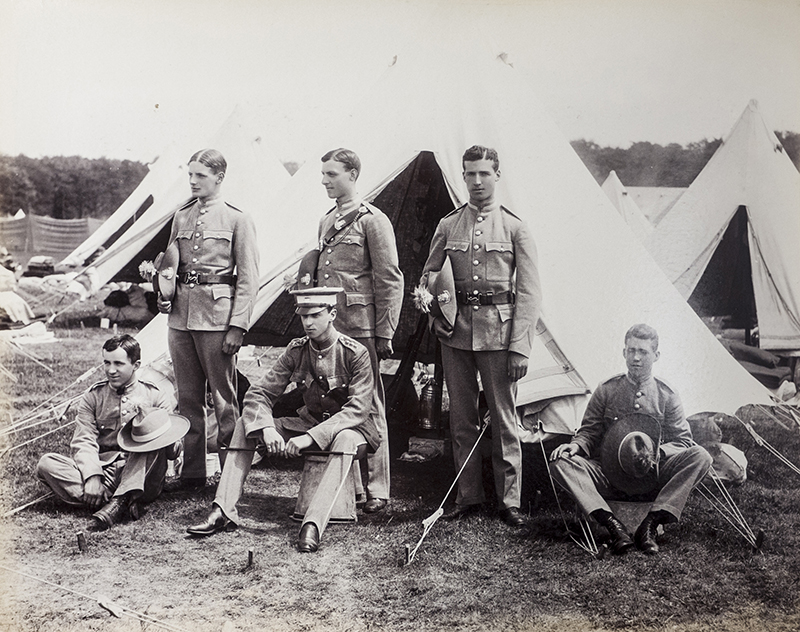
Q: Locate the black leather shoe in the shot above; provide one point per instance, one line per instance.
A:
(216, 521)
(374, 505)
(621, 541)
(462, 511)
(513, 517)
(113, 512)
(184, 485)
(646, 534)
(308, 540)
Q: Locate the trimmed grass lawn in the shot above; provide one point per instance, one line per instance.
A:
(476, 574)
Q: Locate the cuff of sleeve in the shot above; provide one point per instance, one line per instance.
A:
(87, 471)
(319, 437)
(584, 448)
(260, 420)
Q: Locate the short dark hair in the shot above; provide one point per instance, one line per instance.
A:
(127, 343)
(347, 157)
(479, 152)
(643, 332)
(212, 159)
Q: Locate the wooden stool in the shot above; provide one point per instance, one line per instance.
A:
(344, 509)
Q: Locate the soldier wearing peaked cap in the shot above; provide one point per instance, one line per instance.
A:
(633, 441)
(334, 374)
(208, 280)
(497, 291)
(105, 473)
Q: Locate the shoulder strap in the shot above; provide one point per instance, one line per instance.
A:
(340, 224)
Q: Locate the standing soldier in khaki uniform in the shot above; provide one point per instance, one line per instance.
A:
(217, 281)
(499, 297)
(358, 252)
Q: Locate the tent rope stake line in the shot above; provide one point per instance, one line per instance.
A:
(115, 608)
(428, 523)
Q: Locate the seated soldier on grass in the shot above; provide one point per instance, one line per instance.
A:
(334, 374)
(634, 441)
(124, 435)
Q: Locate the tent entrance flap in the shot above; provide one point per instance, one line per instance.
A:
(726, 287)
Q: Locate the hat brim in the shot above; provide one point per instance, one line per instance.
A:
(166, 278)
(609, 453)
(307, 310)
(442, 285)
(179, 426)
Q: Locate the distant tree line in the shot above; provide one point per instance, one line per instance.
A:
(651, 165)
(66, 187)
(70, 187)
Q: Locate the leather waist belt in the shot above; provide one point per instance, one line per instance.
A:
(207, 279)
(486, 298)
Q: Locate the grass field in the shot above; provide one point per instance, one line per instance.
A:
(472, 575)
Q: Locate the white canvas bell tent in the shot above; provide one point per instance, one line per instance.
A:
(253, 176)
(410, 131)
(730, 243)
(161, 175)
(628, 209)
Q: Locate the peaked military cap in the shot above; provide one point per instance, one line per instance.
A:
(315, 299)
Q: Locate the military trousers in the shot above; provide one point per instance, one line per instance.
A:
(197, 359)
(141, 473)
(237, 467)
(584, 480)
(461, 369)
(378, 474)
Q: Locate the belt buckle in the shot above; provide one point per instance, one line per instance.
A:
(325, 416)
(191, 277)
(473, 299)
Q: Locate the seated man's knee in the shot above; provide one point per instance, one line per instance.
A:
(347, 441)
(46, 464)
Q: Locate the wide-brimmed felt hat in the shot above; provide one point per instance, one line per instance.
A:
(443, 287)
(629, 453)
(151, 431)
(307, 272)
(166, 277)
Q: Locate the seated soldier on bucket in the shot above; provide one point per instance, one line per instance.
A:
(124, 436)
(634, 443)
(334, 374)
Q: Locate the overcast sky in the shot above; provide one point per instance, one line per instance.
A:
(121, 78)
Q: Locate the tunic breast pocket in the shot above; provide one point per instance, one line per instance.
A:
(499, 260)
(338, 392)
(223, 304)
(108, 432)
(348, 254)
(457, 252)
(217, 247)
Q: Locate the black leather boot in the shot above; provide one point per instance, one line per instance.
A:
(646, 534)
(621, 541)
(113, 512)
